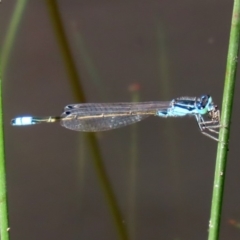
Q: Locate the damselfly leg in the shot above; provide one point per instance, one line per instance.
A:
(213, 125)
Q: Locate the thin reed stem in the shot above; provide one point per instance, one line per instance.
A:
(4, 227)
(222, 151)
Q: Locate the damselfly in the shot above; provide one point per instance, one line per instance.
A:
(94, 117)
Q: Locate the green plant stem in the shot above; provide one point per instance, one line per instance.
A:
(5, 55)
(4, 227)
(79, 96)
(222, 151)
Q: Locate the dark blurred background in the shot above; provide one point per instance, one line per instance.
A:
(169, 49)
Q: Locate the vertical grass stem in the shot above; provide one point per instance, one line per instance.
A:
(222, 151)
(4, 227)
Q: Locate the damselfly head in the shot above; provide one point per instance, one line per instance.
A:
(204, 104)
(205, 100)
